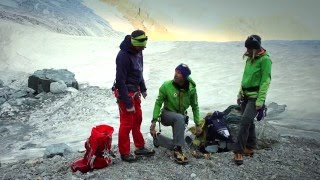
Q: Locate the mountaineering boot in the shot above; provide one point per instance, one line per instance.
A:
(179, 157)
(248, 152)
(238, 159)
(144, 152)
(129, 158)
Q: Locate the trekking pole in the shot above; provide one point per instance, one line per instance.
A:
(159, 125)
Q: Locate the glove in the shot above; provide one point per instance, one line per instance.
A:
(144, 94)
(198, 130)
(261, 112)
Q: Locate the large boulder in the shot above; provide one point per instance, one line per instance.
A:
(41, 80)
(267, 135)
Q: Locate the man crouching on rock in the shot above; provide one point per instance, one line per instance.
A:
(177, 95)
(128, 89)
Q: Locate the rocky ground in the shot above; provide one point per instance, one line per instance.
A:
(292, 158)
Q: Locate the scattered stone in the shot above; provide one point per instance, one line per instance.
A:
(7, 109)
(20, 94)
(72, 90)
(193, 175)
(3, 129)
(58, 87)
(29, 145)
(60, 149)
(19, 102)
(26, 138)
(33, 162)
(2, 100)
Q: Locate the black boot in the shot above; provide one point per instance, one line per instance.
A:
(129, 158)
(144, 152)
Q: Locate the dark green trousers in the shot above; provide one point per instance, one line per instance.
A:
(247, 132)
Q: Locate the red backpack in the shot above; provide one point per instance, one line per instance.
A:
(98, 150)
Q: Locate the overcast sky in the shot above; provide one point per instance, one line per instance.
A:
(223, 20)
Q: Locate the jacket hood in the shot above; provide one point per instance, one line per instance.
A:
(127, 46)
(192, 84)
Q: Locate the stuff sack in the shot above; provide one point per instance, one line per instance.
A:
(98, 150)
(216, 128)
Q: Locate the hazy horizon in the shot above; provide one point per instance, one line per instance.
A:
(212, 20)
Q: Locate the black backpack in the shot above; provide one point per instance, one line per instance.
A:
(216, 128)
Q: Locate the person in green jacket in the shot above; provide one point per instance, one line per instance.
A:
(251, 97)
(176, 96)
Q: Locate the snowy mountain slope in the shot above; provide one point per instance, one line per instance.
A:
(62, 16)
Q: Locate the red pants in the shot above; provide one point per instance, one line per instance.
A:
(130, 121)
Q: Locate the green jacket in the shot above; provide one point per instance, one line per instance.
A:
(177, 100)
(257, 74)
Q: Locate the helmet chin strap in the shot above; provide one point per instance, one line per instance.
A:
(254, 53)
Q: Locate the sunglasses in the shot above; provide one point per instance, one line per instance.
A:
(142, 39)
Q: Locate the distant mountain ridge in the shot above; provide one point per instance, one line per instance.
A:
(62, 16)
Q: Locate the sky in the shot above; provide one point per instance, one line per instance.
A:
(215, 20)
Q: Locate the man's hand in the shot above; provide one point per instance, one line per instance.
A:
(258, 108)
(144, 94)
(153, 131)
(131, 109)
(198, 130)
(239, 101)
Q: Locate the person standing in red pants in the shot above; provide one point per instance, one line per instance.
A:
(128, 88)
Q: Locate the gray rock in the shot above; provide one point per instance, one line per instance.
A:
(5, 92)
(29, 101)
(275, 109)
(27, 146)
(60, 149)
(1, 83)
(266, 133)
(58, 87)
(2, 100)
(20, 94)
(40, 80)
(193, 175)
(14, 97)
(6, 108)
(20, 101)
(3, 129)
